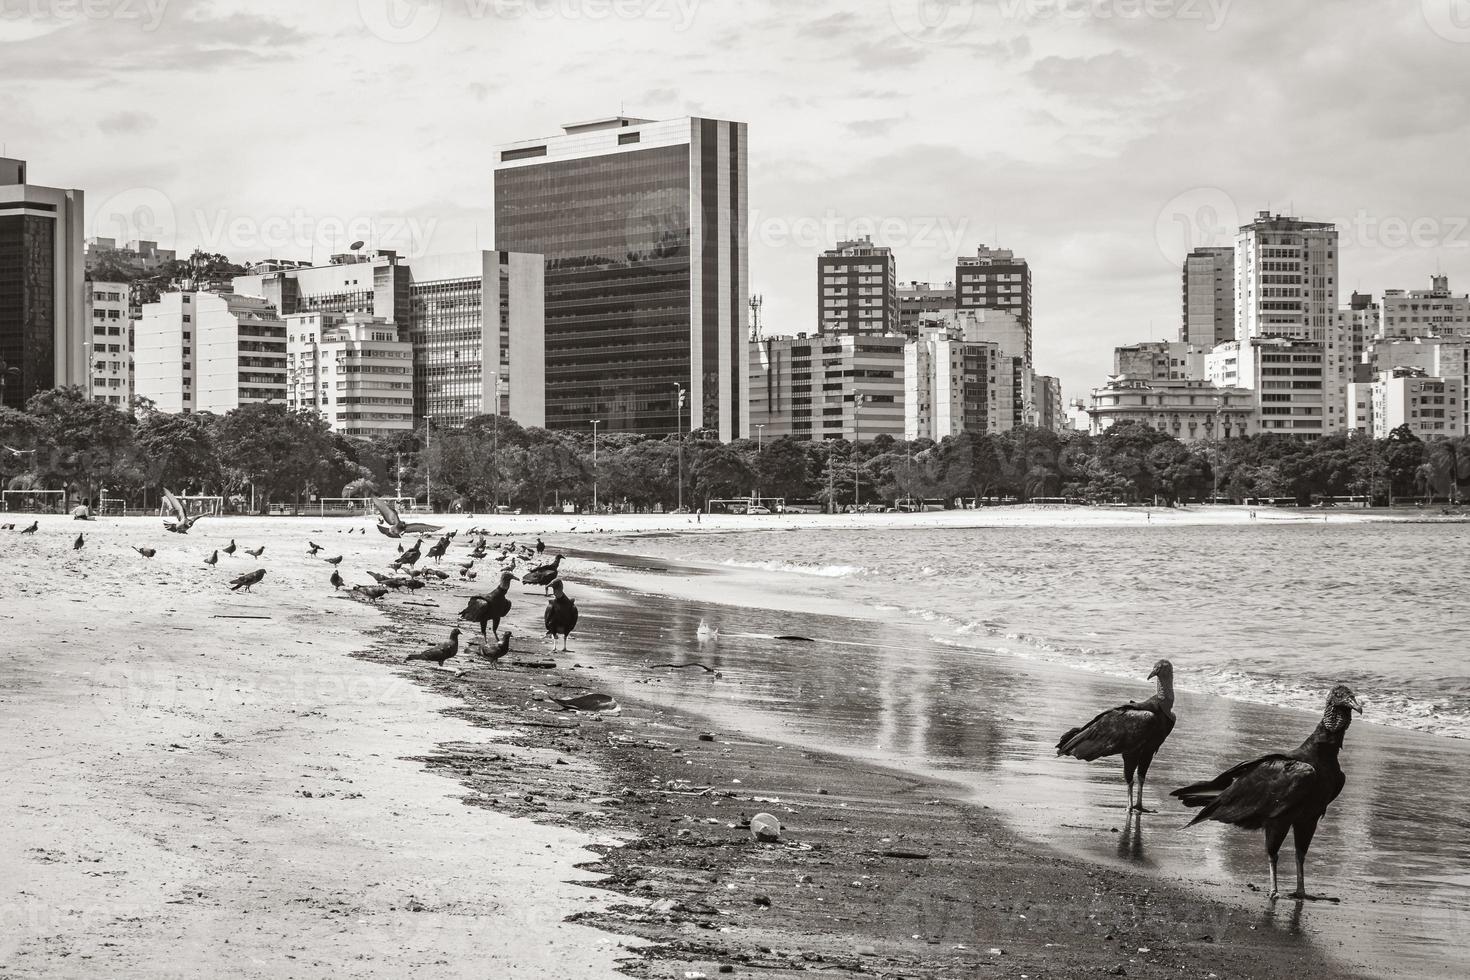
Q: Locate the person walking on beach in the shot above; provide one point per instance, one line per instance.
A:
(540, 546)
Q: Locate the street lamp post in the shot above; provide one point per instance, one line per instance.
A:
(428, 462)
(595, 423)
(679, 434)
(760, 445)
(1215, 470)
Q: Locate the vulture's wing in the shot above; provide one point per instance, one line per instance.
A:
(1251, 793)
(174, 505)
(388, 511)
(1116, 730)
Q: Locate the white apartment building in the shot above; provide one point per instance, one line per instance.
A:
(209, 352)
(1190, 411)
(1436, 357)
(353, 370)
(827, 387)
(1431, 407)
(953, 386)
(1433, 312)
(109, 344)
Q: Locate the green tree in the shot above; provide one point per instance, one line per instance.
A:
(79, 442)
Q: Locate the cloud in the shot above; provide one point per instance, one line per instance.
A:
(126, 122)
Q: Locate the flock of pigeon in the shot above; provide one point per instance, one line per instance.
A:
(1277, 793)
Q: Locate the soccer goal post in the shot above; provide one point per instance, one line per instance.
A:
(33, 501)
(194, 505)
(356, 506)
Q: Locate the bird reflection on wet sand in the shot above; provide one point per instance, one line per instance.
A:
(1130, 841)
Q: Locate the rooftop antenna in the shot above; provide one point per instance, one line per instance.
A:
(756, 302)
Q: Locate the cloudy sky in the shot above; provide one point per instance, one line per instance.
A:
(1099, 138)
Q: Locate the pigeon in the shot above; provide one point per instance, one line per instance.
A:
(334, 561)
(230, 548)
(313, 546)
(213, 559)
(372, 592)
(77, 544)
(496, 653)
(380, 579)
(336, 579)
(247, 580)
(182, 521)
(439, 653)
(256, 553)
(146, 552)
(32, 528)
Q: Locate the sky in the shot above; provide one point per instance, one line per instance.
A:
(1100, 139)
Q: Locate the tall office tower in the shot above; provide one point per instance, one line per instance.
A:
(919, 300)
(475, 320)
(43, 324)
(109, 343)
(1359, 323)
(1209, 297)
(994, 279)
(857, 289)
(1287, 326)
(643, 226)
(209, 352)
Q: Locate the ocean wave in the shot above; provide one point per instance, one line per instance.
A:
(795, 568)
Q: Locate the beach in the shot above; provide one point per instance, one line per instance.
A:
(283, 796)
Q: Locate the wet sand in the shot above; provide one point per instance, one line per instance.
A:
(212, 856)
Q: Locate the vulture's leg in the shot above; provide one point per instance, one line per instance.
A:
(1275, 835)
(1302, 834)
(1129, 765)
(1143, 765)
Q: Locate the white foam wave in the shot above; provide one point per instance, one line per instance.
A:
(795, 568)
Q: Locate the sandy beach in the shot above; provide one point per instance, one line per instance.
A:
(283, 796)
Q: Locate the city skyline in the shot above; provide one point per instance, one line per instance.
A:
(1099, 144)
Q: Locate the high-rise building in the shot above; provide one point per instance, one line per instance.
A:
(109, 343)
(1358, 324)
(838, 386)
(209, 352)
(475, 320)
(1433, 312)
(857, 289)
(1209, 297)
(352, 369)
(1051, 412)
(643, 226)
(1430, 406)
(43, 324)
(953, 386)
(919, 300)
(1290, 342)
(994, 279)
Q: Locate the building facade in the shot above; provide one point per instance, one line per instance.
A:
(138, 256)
(1051, 413)
(1431, 407)
(1159, 360)
(953, 386)
(1433, 312)
(994, 279)
(828, 387)
(43, 319)
(109, 343)
(209, 352)
(353, 370)
(643, 226)
(857, 289)
(1208, 297)
(1190, 411)
(918, 301)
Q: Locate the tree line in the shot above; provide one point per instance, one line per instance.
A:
(270, 455)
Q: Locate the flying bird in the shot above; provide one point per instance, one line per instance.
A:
(561, 615)
(182, 521)
(489, 609)
(230, 548)
(543, 574)
(336, 580)
(441, 652)
(1282, 791)
(247, 580)
(146, 552)
(213, 558)
(1134, 730)
(255, 553)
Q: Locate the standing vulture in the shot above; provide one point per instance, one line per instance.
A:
(561, 615)
(1134, 730)
(543, 574)
(490, 609)
(1282, 792)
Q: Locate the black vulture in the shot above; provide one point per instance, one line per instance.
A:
(440, 652)
(437, 550)
(1282, 791)
(561, 615)
(247, 580)
(1134, 730)
(543, 574)
(490, 609)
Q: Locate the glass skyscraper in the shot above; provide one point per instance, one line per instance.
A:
(643, 226)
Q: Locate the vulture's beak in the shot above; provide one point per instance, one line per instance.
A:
(1356, 705)
(516, 577)
(1152, 674)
